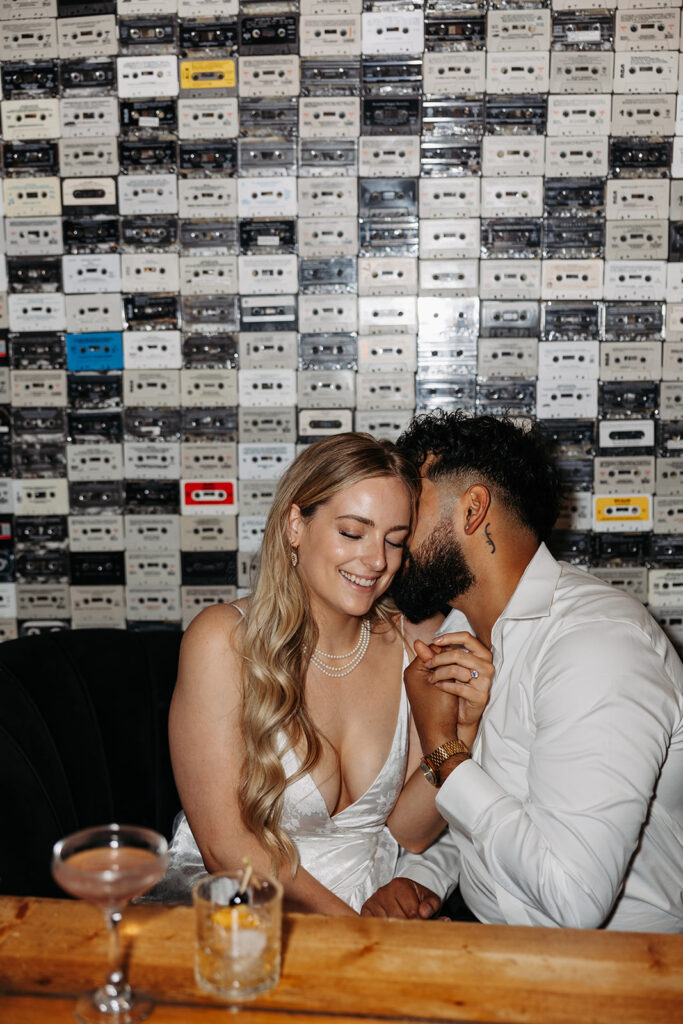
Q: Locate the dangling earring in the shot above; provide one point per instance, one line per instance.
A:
(294, 558)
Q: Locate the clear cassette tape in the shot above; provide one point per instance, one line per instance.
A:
(328, 352)
(328, 157)
(339, 274)
(506, 398)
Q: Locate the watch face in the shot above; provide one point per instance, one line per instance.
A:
(428, 772)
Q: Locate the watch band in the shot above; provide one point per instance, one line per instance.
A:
(442, 753)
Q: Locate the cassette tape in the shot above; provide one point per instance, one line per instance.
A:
(207, 118)
(98, 607)
(88, 116)
(195, 598)
(328, 275)
(328, 36)
(37, 389)
(401, 115)
(30, 158)
(326, 389)
(560, 361)
(145, 194)
(675, 241)
(670, 400)
(633, 321)
(267, 197)
(264, 461)
(33, 601)
(576, 511)
(208, 35)
(672, 360)
(319, 314)
(87, 272)
(637, 240)
(665, 588)
(87, 232)
(73, 8)
(518, 30)
(208, 235)
(216, 157)
(330, 117)
(147, 35)
(455, 30)
(573, 238)
(584, 116)
(449, 277)
(315, 423)
(626, 279)
(262, 424)
(512, 156)
(208, 461)
(149, 604)
(385, 392)
(647, 30)
(508, 237)
(674, 321)
(669, 476)
(323, 237)
(88, 74)
(208, 275)
(626, 434)
(267, 388)
(516, 115)
(387, 354)
(259, 350)
(572, 279)
(40, 497)
(509, 319)
(150, 272)
(506, 398)
(36, 311)
(668, 515)
(209, 570)
(592, 30)
(101, 461)
(637, 199)
(263, 119)
(87, 37)
(451, 355)
(32, 197)
(38, 425)
(585, 72)
(389, 314)
(327, 352)
(219, 76)
(674, 281)
(205, 424)
(517, 72)
(144, 570)
(389, 156)
(510, 279)
(335, 76)
(262, 275)
(578, 156)
(511, 197)
(331, 197)
(271, 312)
(395, 32)
(29, 39)
(567, 399)
(392, 75)
(145, 460)
(206, 198)
(151, 350)
(276, 75)
(276, 33)
(643, 115)
(140, 77)
(152, 495)
(33, 273)
(644, 158)
(151, 388)
(632, 399)
(387, 276)
(630, 360)
(219, 311)
(156, 534)
(276, 236)
(37, 352)
(450, 239)
(450, 157)
(629, 580)
(454, 74)
(263, 157)
(671, 622)
(208, 533)
(203, 389)
(96, 533)
(622, 513)
(388, 197)
(645, 71)
(20, 10)
(507, 358)
(26, 120)
(329, 158)
(395, 237)
(443, 199)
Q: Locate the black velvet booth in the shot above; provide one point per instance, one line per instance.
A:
(83, 741)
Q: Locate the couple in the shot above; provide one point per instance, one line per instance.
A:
(295, 742)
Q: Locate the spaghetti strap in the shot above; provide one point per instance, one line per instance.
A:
(238, 609)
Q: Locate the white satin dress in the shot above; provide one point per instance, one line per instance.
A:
(352, 853)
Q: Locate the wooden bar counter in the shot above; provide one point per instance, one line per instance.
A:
(339, 970)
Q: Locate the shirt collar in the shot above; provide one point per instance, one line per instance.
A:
(533, 595)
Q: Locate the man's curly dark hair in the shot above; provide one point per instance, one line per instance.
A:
(514, 462)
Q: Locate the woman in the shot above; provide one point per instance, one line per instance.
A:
(289, 727)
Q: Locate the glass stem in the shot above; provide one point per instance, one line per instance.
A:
(115, 996)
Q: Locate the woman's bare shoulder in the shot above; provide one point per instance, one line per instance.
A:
(215, 628)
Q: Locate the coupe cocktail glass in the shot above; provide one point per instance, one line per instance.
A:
(109, 865)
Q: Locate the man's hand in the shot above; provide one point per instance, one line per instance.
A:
(402, 897)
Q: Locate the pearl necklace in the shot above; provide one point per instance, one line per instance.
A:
(356, 654)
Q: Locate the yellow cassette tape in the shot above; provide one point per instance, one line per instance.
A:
(207, 74)
(622, 513)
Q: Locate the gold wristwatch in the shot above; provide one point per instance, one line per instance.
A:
(431, 763)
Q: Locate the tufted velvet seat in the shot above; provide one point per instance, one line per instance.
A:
(83, 741)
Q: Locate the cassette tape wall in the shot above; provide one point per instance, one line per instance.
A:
(228, 232)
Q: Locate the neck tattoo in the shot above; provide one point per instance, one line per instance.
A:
(489, 539)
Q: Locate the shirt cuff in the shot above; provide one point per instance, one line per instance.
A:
(466, 794)
(411, 865)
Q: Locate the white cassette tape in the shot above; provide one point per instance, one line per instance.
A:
(261, 349)
(322, 237)
(507, 358)
(647, 30)
(674, 283)
(447, 197)
(97, 193)
(629, 279)
(331, 197)
(330, 6)
(151, 388)
(637, 240)
(206, 197)
(267, 197)
(36, 600)
(387, 314)
(329, 117)
(637, 199)
(679, 114)
(89, 272)
(450, 239)
(8, 607)
(392, 31)
(324, 422)
(151, 460)
(643, 115)
(453, 74)
(88, 116)
(326, 389)
(209, 497)
(264, 461)
(670, 401)
(206, 461)
(511, 197)
(152, 533)
(250, 533)
(672, 360)
(576, 511)
(517, 72)
(568, 361)
(87, 37)
(583, 115)
(34, 39)
(622, 513)
(41, 497)
(572, 279)
(628, 579)
(6, 496)
(82, 158)
(208, 533)
(152, 350)
(581, 72)
(208, 118)
(39, 236)
(32, 197)
(645, 71)
(624, 474)
(263, 389)
(148, 194)
(388, 156)
(195, 599)
(674, 321)
(276, 75)
(388, 391)
(669, 475)
(629, 434)
(36, 311)
(96, 533)
(20, 10)
(257, 496)
(665, 588)
(86, 462)
(518, 30)
(148, 570)
(130, 7)
(449, 277)
(26, 120)
(34, 389)
(630, 360)
(150, 604)
(510, 279)
(208, 275)
(139, 77)
(390, 275)
(512, 155)
(567, 400)
(207, 389)
(582, 157)
(98, 607)
(319, 314)
(197, 8)
(327, 36)
(150, 272)
(387, 354)
(668, 515)
(677, 158)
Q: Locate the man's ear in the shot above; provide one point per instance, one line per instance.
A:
(477, 502)
(295, 525)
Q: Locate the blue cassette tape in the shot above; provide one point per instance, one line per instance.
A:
(96, 351)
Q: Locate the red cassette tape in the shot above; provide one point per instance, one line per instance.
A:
(204, 497)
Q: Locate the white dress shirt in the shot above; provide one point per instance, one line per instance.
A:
(570, 812)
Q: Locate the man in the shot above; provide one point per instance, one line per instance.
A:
(569, 811)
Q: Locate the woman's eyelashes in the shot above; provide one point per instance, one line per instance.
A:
(359, 536)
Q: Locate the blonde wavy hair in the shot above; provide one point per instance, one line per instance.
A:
(279, 629)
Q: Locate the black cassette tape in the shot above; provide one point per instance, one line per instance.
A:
(206, 351)
(633, 321)
(390, 237)
(510, 237)
(459, 31)
(575, 474)
(7, 421)
(94, 390)
(328, 352)
(42, 567)
(509, 319)
(265, 117)
(204, 424)
(573, 238)
(496, 398)
(6, 462)
(208, 156)
(208, 234)
(92, 426)
(145, 115)
(572, 438)
(274, 237)
(328, 275)
(615, 548)
(571, 546)
(617, 400)
(37, 352)
(648, 158)
(450, 157)
(41, 531)
(669, 438)
(458, 116)
(268, 313)
(37, 424)
(387, 197)
(387, 115)
(397, 76)
(525, 114)
(208, 35)
(675, 241)
(74, 8)
(37, 77)
(144, 35)
(143, 153)
(41, 460)
(149, 232)
(331, 77)
(6, 564)
(90, 232)
(582, 30)
(105, 567)
(30, 157)
(564, 321)
(99, 73)
(148, 310)
(152, 496)
(257, 157)
(574, 197)
(96, 496)
(328, 156)
(209, 568)
(667, 549)
(34, 273)
(148, 424)
(276, 33)
(211, 310)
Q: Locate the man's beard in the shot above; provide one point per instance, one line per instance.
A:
(432, 576)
